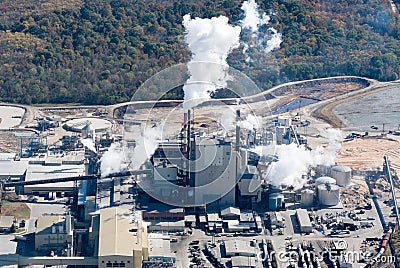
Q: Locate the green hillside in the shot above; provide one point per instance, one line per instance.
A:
(99, 51)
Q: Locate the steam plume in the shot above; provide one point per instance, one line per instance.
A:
(251, 122)
(119, 156)
(295, 161)
(112, 160)
(210, 41)
(253, 21)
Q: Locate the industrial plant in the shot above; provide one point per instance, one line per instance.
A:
(264, 190)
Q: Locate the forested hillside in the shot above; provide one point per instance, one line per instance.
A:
(99, 51)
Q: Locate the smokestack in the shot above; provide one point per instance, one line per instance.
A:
(185, 147)
(187, 179)
(185, 120)
(188, 133)
(237, 143)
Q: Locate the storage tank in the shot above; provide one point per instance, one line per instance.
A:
(323, 170)
(275, 201)
(342, 175)
(328, 194)
(280, 200)
(307, 198)
(325, 180)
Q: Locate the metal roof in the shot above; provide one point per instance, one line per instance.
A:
(160, 246)
(213, 217)
(341, 169)
(230, 211)
(238, 247)
(45, 223)
(303, 218)
(118, 236)
(13, 168)
(41, 172)
(6, 221)
(242, 261)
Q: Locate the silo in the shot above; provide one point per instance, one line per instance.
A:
(307, 198)
(280, 199)
(328, 194)
(325, 180)
(323, 170)
(275, 201)
(342, 175)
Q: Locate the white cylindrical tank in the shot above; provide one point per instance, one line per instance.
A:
(342, 175)
(323, 170)
(307, 198)
(328, 194)
(325, 180)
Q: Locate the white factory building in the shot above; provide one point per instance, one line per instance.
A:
(43, 168)
(121, 242)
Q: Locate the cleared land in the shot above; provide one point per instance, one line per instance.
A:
(367, 153)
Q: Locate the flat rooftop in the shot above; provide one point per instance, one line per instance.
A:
(13, 168)
(118, 235)
(42, 172)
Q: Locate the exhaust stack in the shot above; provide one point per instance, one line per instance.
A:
(237, 142)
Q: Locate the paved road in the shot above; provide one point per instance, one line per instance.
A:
(7, 246)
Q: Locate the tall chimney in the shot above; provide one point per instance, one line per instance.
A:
(237, 142)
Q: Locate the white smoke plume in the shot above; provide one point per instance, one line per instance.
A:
(120, 157)
(145, 147)
(253, 17)
(112, 160)
(89, 143)
(295, 161)
(227, 120)
(210, 41)
(253, 20)
(251, 122)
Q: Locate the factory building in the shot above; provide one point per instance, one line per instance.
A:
(6, 223)
(164, 212)
(230, 213)
(249, 186)
(160, 250)
(239, 248)
(13, 170)
(210, 166)
(121, 241)
(304, 220)
(51, 170)
(217, 171)
(54, 233)
(243, 262)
